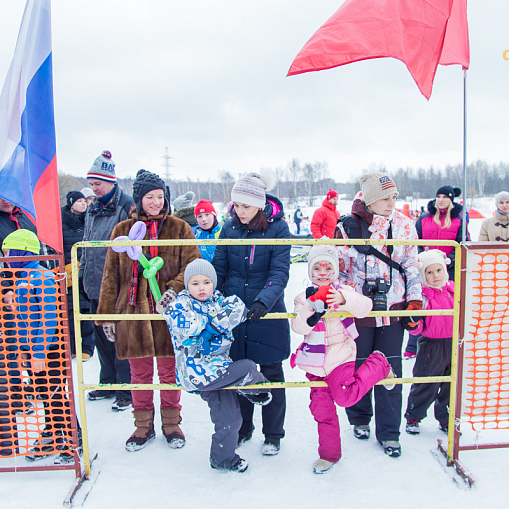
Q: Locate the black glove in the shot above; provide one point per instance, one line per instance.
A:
(310, 291)
(410, 322)
(315, 318)
(81, 287)
(256, 311)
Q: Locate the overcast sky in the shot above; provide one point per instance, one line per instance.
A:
(207, 79)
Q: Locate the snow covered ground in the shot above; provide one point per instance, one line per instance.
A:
(160, 477)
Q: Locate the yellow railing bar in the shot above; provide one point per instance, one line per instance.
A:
(78, 317)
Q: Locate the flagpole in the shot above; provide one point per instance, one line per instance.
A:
(465, 208)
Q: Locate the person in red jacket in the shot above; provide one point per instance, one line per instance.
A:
(326, 217)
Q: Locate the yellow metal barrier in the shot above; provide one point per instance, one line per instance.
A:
(78, 317)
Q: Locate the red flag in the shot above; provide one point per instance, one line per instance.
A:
(456, 48)
(412, 31)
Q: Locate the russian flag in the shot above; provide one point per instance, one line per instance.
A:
(28, 165)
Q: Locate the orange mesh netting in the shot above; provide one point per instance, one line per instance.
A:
(486, 389)
(35, 414)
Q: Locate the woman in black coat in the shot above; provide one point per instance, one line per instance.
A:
(73, 225)
(258, 275)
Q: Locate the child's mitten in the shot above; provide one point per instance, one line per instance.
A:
(412, 322)
(204, 339)
(317, 297)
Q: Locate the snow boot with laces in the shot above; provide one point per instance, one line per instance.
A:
(170, 418)
(144, 432)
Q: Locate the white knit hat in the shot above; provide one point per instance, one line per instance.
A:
(251, 190)
(200, 266)
(376, 186)
(427, 258)
(87, 192)
(323, 253)
(503, 195)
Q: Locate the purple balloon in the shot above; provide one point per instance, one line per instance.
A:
(138, 231)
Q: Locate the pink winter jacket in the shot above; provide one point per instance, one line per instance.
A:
(437, 327)
(341, 347)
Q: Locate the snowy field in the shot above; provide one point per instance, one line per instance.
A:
(158, 477)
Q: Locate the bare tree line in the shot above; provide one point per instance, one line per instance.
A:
(307, 181)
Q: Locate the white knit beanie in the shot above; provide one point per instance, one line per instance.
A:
(200, 266)
(251, 190)
(427, 258)
(376, 186)
(323, 253)
(503, 195)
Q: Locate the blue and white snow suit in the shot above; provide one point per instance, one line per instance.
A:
(207, 252)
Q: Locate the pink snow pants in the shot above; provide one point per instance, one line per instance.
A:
(142, 372)
(345, 388)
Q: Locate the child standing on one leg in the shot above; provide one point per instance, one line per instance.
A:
(434, 347)
(328, 352)
(201, 321)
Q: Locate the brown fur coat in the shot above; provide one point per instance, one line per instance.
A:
(140, 338)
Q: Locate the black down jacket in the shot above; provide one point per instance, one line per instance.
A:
(73, 228)
(257, 273)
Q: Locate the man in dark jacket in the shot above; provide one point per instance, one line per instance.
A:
(110, 207)
(297, 218)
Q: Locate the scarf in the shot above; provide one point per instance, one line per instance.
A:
(153, 230)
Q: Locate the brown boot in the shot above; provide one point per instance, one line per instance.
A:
(171, 419)
(144, 432)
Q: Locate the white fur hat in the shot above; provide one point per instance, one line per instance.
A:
(427, 258)
(323, 253)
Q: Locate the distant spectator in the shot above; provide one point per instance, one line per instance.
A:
(183, 209)
(88, 194)
(208, 227)
(73, 228)
(326, 217)
(297, 218)
(496, 228)
(443, 221)
(110, 207)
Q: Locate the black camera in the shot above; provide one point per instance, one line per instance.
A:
(377, 290)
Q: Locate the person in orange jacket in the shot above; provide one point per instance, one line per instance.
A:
(326, 217)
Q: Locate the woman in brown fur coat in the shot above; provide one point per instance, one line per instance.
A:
(124, 290)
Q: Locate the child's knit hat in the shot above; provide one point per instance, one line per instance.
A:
(184, 201)
(323, 253)
(427, 258)
(200, 266)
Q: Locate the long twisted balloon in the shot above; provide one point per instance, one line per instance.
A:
(137, 232)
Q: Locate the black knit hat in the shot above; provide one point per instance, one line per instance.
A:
(145, 182)
(449, 191)
(73, 196)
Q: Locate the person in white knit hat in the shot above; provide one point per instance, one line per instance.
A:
(496, 228)
(435, 344)
(258, 275)
(394, 284)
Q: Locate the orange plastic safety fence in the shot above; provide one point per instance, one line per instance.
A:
(486, 388)
(35, 414)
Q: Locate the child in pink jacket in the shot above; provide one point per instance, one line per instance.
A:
(434, 347)
(328, 351)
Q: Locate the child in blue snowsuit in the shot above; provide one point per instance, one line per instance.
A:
(208, 228)
(201, 320)
(33, 302)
